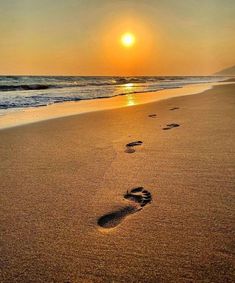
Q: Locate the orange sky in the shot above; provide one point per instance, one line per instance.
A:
(77, 37)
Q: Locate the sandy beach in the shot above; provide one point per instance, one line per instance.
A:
(78, 205)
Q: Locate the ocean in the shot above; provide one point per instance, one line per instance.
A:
(20, 92)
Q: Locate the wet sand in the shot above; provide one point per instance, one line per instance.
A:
(58, 110)
(164, 171)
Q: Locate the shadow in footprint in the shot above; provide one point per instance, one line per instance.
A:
(137, 197)
(111, 220)
(174, 108)
(130, 146)
(171, 126)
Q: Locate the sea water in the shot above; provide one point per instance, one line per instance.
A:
(20, 92)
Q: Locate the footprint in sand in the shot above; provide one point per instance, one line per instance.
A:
(174, 108)
(130, 146)
(152, 115)
(171, 126)
(137, 198)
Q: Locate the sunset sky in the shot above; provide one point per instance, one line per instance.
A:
(83, 37)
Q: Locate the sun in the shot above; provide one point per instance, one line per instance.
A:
(128, 39)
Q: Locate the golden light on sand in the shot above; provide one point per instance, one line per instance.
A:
(128, 39)
(130, 100)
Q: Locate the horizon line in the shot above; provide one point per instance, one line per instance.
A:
(67, 75)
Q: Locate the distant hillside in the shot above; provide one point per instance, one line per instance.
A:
(226, 72)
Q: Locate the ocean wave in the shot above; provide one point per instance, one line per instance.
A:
(23, 87)
(43, 100)
(25, 91)
(26, 87)
(9, 83)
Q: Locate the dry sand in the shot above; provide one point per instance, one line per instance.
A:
(59, 177)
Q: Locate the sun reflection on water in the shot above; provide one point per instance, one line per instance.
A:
(129, 88)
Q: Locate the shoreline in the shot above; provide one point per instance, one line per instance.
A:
(65, 109)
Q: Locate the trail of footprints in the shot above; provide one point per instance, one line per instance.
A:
(138, 197)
